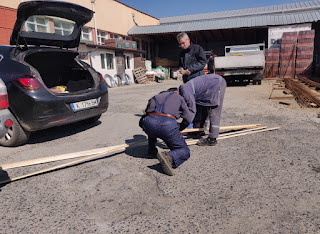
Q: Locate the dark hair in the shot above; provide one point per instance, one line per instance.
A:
(172, 89)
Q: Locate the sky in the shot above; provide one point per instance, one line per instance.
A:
(165, 8)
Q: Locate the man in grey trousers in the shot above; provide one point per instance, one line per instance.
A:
(207, 91)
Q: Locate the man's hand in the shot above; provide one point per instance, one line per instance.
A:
(184, 72)
(187, 72)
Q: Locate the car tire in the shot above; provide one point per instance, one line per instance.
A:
(16, 135)
(92, 119)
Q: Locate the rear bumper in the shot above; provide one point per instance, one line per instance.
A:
(42, 111)
(4, 115)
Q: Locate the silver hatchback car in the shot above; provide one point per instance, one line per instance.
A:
(5, 121)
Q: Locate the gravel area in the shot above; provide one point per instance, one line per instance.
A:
(260, 183)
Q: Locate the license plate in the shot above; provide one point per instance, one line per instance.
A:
(85, 104)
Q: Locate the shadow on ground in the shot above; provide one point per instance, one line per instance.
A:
(3, 177)
(60, 132)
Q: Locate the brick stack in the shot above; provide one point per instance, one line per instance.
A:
(272, 63)
(288, 54)
(305, 49)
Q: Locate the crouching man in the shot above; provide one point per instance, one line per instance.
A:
(206, 91)
(159, 121)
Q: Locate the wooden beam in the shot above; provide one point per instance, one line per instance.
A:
(192, 142)
(100, 150)
(93, 157)
(221, 128)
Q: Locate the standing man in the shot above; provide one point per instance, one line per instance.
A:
(210, 65)
(160, 122)
(208, 92)
(192, 58)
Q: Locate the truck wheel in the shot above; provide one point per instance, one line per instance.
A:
(16, 135)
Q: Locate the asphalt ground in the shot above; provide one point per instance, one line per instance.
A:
(260, 183)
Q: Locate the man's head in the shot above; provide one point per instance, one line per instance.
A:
(174, 89)
(183, 40)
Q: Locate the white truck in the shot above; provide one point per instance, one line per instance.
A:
(242, 64)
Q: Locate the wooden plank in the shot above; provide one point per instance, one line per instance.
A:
(284, 97)
(98, 151)
(58, 157)
(221, 128)
(193, 142)
(93, 157)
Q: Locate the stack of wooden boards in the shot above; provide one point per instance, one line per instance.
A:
(103, 152)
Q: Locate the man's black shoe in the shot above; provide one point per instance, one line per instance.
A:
(207, 141)
(196, 135)
(152, 153)
(166, 162)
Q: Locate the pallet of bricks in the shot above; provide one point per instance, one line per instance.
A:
(288, 54)
(305, 47)
(272, 63)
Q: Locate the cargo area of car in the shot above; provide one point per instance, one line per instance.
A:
(60, 71)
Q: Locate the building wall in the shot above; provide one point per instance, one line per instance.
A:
(111, 15)
(7, 20)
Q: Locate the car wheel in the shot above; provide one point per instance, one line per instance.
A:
(92, 119)
(16, 135)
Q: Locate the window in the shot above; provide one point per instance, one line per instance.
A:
(101, 37)
(127, 61)
(37, 24)
(49, 24)
(127, 38)
(146, 48)
(86, 34)
(107, 59)
(103, 64)
(63, 28)
(111, 35)
(138, 41)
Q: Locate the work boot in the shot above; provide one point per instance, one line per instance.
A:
(196, 135)
(207, 141)
(152, 153)
(166, 162)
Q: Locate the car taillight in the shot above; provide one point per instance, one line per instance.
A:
(8, 123)
(220, 73)
(29, 83)
(102, 80)
(4, 103)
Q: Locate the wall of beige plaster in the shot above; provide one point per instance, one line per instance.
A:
(110, 15)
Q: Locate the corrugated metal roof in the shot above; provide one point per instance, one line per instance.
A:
(295, 13)
(276, 9)
(236, 22)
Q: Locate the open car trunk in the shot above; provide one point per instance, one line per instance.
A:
(60, 71)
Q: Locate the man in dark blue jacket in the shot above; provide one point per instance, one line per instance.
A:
(160, 122)
(206, 91)
(192, 59)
